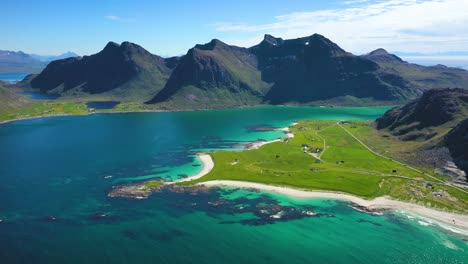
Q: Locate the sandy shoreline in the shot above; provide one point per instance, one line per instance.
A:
(207, 166)
(258, 144)
(455, 222)
(461, 221)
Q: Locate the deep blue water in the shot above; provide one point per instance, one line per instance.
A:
(55, 172)
(12, 77)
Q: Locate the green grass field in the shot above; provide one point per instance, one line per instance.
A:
(44, 108)
(342, 164)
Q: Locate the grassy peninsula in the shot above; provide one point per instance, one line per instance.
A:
(329, 156)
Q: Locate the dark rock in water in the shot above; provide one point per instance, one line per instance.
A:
(260, 128)
(265, 209)
(102, 217)
(370, 222)
(49, 219)
(135, 191)
(131, 234)
(167, 235)
(363, 209)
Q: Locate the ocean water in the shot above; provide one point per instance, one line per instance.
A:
(12, 77)
(54, 180)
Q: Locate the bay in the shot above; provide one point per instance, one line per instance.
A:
(55, 173)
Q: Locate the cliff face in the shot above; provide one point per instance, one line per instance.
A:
(457, 142)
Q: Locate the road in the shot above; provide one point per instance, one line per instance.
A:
(401, 163)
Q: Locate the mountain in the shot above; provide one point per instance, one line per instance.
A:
(309, 70)
(434, 125)
(11, 61)
(423, 77)
(423, 117)
(215, 73)
(278, 71)
(10, 100)
(314, 68)
(49, 58)
(126, 71)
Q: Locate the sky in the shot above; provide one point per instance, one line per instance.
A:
(166, 28)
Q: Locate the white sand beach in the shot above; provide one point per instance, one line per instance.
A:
(444, 219)
(258, 144)
(207, 166)
(461, 221)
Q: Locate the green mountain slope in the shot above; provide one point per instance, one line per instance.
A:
(434, 123)
(215, 74)
(125, 72)
(9, 100)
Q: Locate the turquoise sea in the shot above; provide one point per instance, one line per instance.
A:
(54, 175)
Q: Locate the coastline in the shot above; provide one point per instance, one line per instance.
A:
(258, 144)
(37, 117)
(136, 111)
(461, 221)
(443, 219)
(207, 166)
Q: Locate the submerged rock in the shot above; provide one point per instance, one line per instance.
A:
(140, 190)
(144, 189)
(366, 210)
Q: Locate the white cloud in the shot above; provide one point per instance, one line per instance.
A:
(426, 26)
(112, 17)
(118, 18)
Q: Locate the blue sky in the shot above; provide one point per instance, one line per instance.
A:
(172, 27)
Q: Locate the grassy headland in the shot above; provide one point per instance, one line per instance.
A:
(324, 155)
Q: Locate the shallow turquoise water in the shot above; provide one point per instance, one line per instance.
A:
(54, 185)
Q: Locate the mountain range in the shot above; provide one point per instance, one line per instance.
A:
(49, 58)
(18, 61)
(308, 70)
